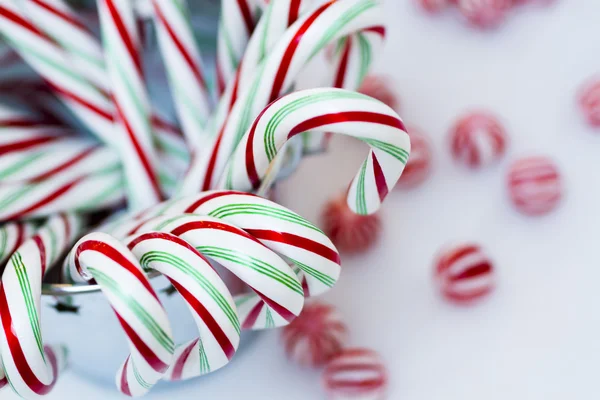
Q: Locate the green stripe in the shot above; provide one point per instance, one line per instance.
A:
(361, 201)
(141, 314)
(258, 209)
(321, 277)
(263, 39)
(193, 273)
(139, 378)
(269, 323)
(253, 263)
(16, 195)
(3, 241)
(365, 60)
(247, 114)
(240, 300)
(204, 364)
(397, 152)
(25, 161)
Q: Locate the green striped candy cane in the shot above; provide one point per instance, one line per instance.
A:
(30, 368)
(328, 110)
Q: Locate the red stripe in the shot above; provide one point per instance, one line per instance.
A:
(210, 322)
(46, 200)
(234, 93)
(19, 123)
(67, 224)
(278, 308)
(180, 363)
(382, 188)
(62, 15)
(40, 244)
(26, 144)
(294, 11)
(220, 79)
(296, 241)
(250, 165)
(79, 100)
(460, 253)
(16, 351)
(164, 125)
(187, 56)
(17, 19)
(291, 50)
(212, 161)
(196, 225)
(3, 382)
(253, 316)
(125, 36)
(376, 29)
(346, 116)
(195, 205)
(139, 151)
(482, 268)
(20, 237)
(246, 15)
(61, 167)
(124, 381)
(145, 351)
(116, 256)
(341, 72)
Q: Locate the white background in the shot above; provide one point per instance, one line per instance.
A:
(537, 336)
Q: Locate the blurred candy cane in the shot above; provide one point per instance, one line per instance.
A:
(12, 235)
(181, 57)
(330, 110)
(276, 75)
(30, 367)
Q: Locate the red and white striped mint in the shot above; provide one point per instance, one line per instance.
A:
(434, 6)
(589, 102)
(315, 336)
(484, 13)
(380, 87)
(418, 167)
(534, 185)
(356, 373)
(464, 273)
(349, 232)
(478, 139)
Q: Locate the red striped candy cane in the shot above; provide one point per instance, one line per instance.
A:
(328, 110)
(275, 76)
(184, 68)
(275, 226)
(12, 235)
(207, 297)
(101, 257)
(131, 102)
(30, 367)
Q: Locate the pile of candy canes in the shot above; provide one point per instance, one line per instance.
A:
(189, 192)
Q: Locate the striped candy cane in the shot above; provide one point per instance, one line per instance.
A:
(183, 64)
(237, 22)
(278, 296)
(101, 257)
(207, 297)
(30, 367)
(131, 103)
(329, 110)
(275, 76)
(12, 235)
(50, 60)
(275, 226)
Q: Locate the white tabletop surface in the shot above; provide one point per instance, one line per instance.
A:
(536, 336)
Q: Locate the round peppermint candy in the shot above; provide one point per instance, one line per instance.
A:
(589, 102)
(434, 6)
(478, 139)
(380, 88)
(356, 373)
(418, 167)
(316, 335)
(464, 273)
(534, 184)
(484, 13)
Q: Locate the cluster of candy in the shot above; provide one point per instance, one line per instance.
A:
(482, 14)
(55, 176)
(319, 338)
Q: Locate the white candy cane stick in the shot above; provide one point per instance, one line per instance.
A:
(50, 60)
(351, 60)
(237, 22)
(30, 368)
(206, 295)
(276, 75)
(278, 295)
(277, 227)
(132, 116)
(103, 189)
(101, 257)
(12, 235)
(183, 64)
(328, 110)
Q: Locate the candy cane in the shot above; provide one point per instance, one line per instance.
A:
(131, 102)
(31, 369)
(207, 297)
(238, 18)
(182, 61)
(278, 296)
(101, 257)
(12, 235)
(49, 59)
(305, 38)
(330, 110)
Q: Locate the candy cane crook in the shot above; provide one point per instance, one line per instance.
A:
(31, 368)
(330, 110)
